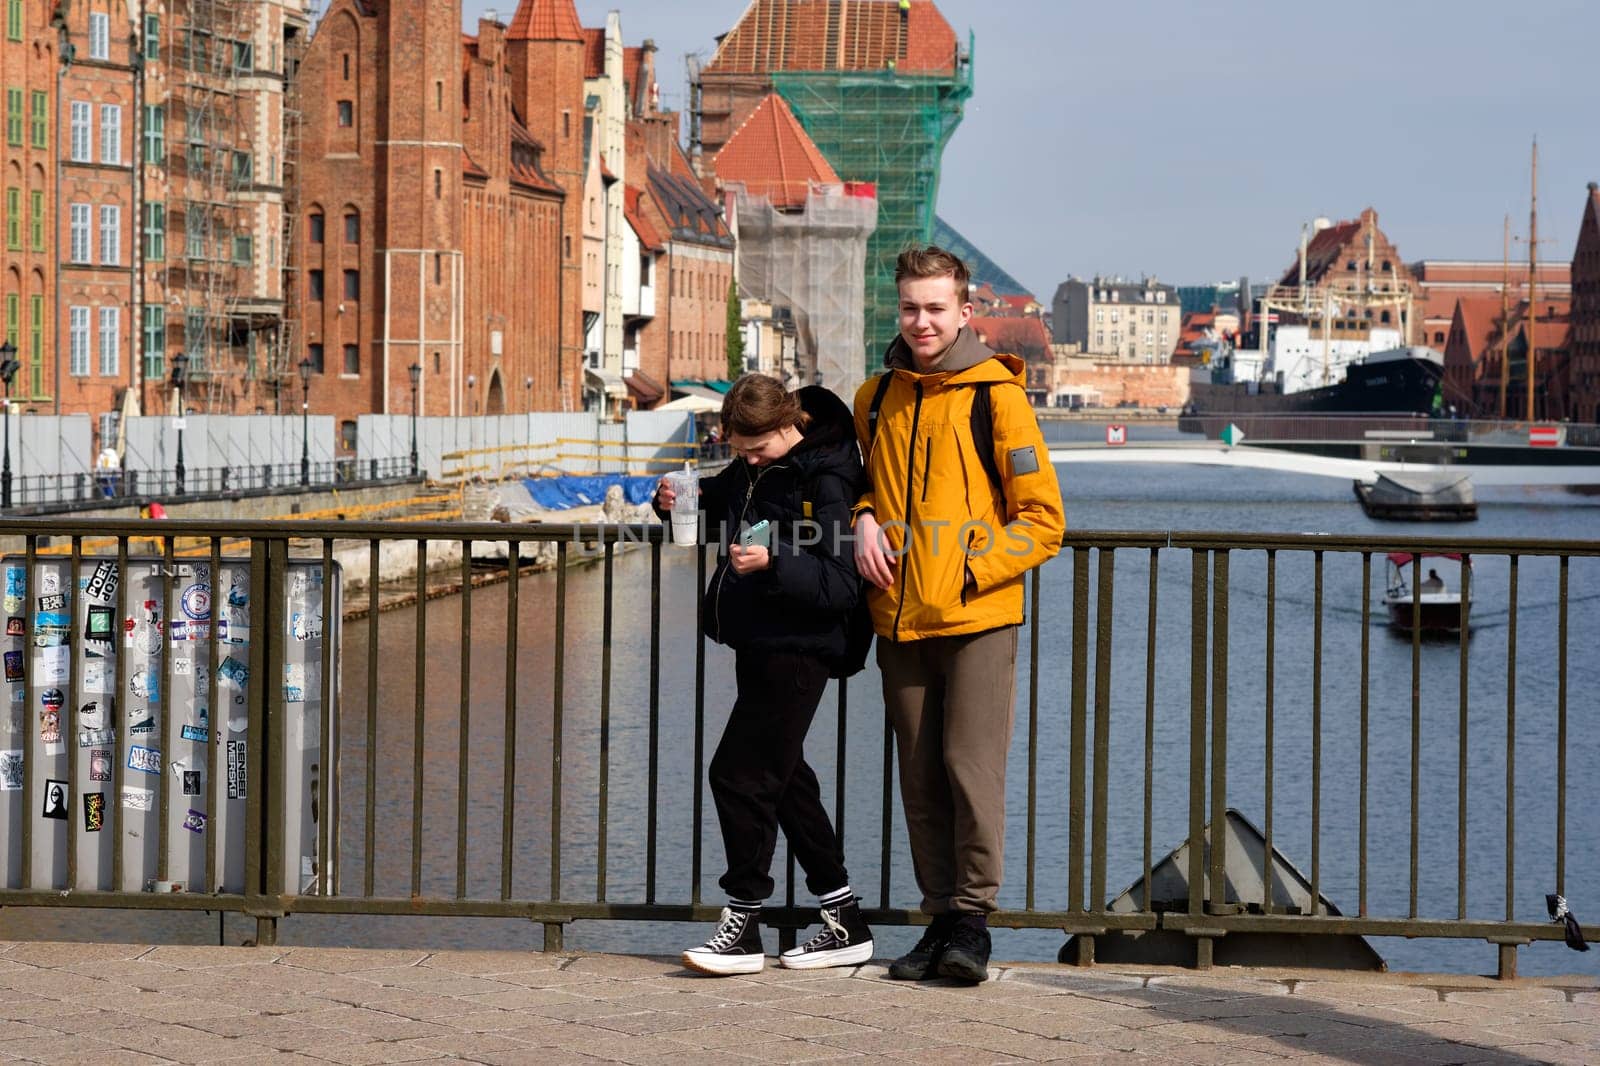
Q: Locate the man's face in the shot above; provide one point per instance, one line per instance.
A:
(931, 314)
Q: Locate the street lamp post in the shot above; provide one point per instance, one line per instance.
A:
(180, 377)
(305, 421)
(527, 392)
(8, 370)
(415, 370)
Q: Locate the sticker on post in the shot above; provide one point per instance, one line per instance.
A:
(137, 799)
(15, 587)
(98, 679)
(195, 732)
(10, 771)
(100, 764)
(191, 781)
(90, 738)
(233, 673)
(145, 760)
(196, 601)
(94, 811)
(55, 799)
(102, 584)
(14, 626)
(92, 715)
(100, 625)
(194, 821)
(14, 671)
(237, 772)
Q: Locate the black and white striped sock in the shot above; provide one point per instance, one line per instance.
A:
(745, 906)
(837, 897)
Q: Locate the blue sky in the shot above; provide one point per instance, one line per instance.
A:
(1191, 139)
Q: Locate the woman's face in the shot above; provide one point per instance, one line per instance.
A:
(765, 448)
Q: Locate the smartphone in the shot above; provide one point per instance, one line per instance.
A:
(760, 533)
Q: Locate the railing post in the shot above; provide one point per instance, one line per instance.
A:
(1198, 602)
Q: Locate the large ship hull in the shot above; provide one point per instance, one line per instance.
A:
(1404, 387)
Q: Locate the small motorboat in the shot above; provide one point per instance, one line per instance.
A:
(1438, 605)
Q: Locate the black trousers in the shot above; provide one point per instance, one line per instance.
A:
(760, 780)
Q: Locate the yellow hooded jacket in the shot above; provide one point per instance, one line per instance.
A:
(960, 561)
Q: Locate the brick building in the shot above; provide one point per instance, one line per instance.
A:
(437, 229)
(1584, 339)
(148, 223)
(1441, 282)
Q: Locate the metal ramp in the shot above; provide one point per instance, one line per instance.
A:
(1245, 890)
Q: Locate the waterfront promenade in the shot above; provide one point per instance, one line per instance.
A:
(106, 1003)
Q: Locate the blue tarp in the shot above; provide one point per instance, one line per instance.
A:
(560, 493)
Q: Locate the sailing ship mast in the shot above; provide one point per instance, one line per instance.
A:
(1533, 279)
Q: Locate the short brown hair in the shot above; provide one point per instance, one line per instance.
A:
(758, 404)
(934, 262)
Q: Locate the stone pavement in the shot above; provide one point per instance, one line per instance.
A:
(109, 1004)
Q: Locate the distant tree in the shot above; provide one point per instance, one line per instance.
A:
(733, 333)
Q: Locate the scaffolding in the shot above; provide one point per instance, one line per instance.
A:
(891, 129)
(812, 261)
(226, 272)
(285, 346)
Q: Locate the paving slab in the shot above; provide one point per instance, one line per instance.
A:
(99, 1003)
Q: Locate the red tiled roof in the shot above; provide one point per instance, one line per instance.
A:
(771, 154)
(646, 390)
(649, 237)
(1019, 302)
(605, 171)
(470, 167)
(794, 35)
(1019, 336)
(1321, 253)
(545, 20)
(1480, 322)
(631, 60)
(594, 52)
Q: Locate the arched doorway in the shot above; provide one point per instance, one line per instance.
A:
(496, 398)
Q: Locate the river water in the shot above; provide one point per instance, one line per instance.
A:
(1099, 497)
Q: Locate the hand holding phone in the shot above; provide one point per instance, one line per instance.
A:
(758, 535)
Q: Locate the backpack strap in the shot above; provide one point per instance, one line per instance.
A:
(877, 404)
(983, 438)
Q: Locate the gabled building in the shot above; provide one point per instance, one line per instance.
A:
(1471, 347)
(1584, 350)
(1441, 282)
(1127, 321)
(435, 232)
(1549, 327)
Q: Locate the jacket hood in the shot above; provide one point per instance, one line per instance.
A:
(831, 420)
(965, 353)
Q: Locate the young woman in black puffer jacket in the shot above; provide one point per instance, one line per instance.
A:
(785, 610)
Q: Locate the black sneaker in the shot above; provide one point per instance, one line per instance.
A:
(919, 962)
(734, 948)
(844, 940)
(967, 956)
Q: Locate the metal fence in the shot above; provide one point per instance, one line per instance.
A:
(119, 485)
(1096, 697)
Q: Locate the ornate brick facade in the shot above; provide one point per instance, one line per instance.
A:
(1584, 338)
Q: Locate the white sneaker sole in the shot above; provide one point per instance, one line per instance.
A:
(723, 965)
(854, 955)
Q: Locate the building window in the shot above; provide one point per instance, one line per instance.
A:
(1384, 317)
(13, 308)
(352, 284)
(14, 20)
(314, 356)
(438, 268)
(155, 134)
(346, 58)
(99, 35)
(36, 220)
(243, 250)
(80, 132)
(152, 37)
(438, 96)
(438, 183)
(155, 231)
(1099, 315)
(347, 114)
(352, 229)
(110, 234)
(347, 436)
(316, 229)
(195, 228)
(244, 57)
(352, 359)
(566, 123)
(36, 341)
(155, 341)
(195, 337)
(1099, 340)
(39, 119)
(14, 117)
(14, 219)
(314, 284)
(243, 170)
(78, 337)
(110, 353)
(111, 134)
(78, 227)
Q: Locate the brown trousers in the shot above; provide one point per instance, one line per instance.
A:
(950, 704)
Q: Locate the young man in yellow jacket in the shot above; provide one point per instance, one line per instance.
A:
(945, 549)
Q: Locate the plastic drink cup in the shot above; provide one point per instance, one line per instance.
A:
(685, 485)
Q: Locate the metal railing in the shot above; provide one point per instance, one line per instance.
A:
(38, 490)
(1093, 708)
(1377, 429)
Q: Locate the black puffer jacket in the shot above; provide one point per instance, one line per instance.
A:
(802, 602)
